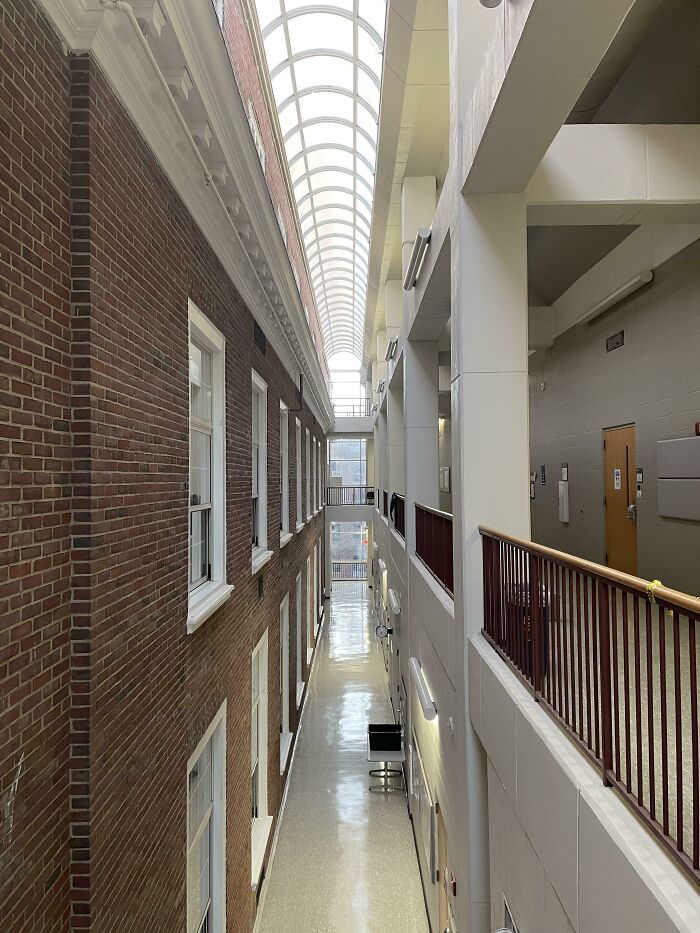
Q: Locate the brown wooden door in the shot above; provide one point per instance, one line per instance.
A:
(620, 499)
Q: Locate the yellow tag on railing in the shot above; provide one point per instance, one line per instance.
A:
(651, 590)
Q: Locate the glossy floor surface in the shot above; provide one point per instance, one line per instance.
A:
(345, 860)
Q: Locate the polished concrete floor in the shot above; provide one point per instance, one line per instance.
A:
(345, 861)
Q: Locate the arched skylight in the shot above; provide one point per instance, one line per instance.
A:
(325, 62)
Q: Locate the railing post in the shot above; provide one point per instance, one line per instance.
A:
(536, 641)
(605, 687)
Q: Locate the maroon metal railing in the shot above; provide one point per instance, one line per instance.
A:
(400, 515)
(434, 543)
(615, 659)
(349, 495)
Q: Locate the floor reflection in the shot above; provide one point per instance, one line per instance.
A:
(345, 860)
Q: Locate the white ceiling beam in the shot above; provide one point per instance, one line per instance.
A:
(540, 57)
(618, 174)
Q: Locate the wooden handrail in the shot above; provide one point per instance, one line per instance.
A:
(635, 584)
(427, 508)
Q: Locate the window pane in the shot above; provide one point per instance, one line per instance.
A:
(200, 382)
(199, 546)
(200, 468)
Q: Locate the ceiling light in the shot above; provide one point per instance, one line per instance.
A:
(491, 4)
(639, 281)
(420, 245)
(426, 701)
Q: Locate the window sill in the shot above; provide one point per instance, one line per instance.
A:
(285, 745)
(285, 538)
(308, 518)
(300, 527)
(207, 600)
(259, 837)
(260, 557)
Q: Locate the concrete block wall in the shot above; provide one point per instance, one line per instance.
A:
(652, 382)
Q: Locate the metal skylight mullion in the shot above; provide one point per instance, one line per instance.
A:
(355, 7)
(331, 53)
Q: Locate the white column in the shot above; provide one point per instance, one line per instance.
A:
(489, 444)
(396, 437)
(420, 405)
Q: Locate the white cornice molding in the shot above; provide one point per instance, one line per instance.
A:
(189, 38)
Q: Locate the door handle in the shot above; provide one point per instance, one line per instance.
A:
(632, 513)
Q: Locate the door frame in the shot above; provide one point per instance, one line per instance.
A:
(632, 468)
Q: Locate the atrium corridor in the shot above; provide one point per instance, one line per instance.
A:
(345, 859)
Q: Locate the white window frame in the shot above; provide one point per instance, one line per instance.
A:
(300, 508)
(316, 582)
(314, 474)
(205, 598)
(309, 613)
(285, 534)
(215, 818)
(299, 646)
(308, 475)
(285, 733)
(262, 823)
(260, 554)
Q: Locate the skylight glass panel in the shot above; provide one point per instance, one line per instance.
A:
(368, 52)
(340, 158)
(326, 132)
(325, 104)
(275, 48)
(325, 70)
(367, 90)
(267, 11)
(282, 86)
(320, 31)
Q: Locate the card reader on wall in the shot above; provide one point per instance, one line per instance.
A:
(564, 501)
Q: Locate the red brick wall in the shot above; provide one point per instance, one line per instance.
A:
(35, 464)
(142, 692)
(245, 66)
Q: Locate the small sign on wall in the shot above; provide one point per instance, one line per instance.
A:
(617, 479)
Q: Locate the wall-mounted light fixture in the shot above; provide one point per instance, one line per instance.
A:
(394, 603)
(426, 701)
(639, 281)
(391, 348)
(491, 4)
(420, 245)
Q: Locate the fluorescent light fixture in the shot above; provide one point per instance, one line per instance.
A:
(426, 701)
(639, 281)
(391, 348)
(420, 245)
(394, 603)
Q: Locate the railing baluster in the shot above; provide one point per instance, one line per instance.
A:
(605, 703)
(650, 715)
(695, 763)
(638, 698)
(579, 656)
(626, 683)
(615, 678)
(664, 719)
(679, 729)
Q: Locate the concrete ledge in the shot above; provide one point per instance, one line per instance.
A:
(606, 868)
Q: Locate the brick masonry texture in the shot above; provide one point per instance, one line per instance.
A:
(103, 696)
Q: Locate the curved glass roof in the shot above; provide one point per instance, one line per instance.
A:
(325, 63)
